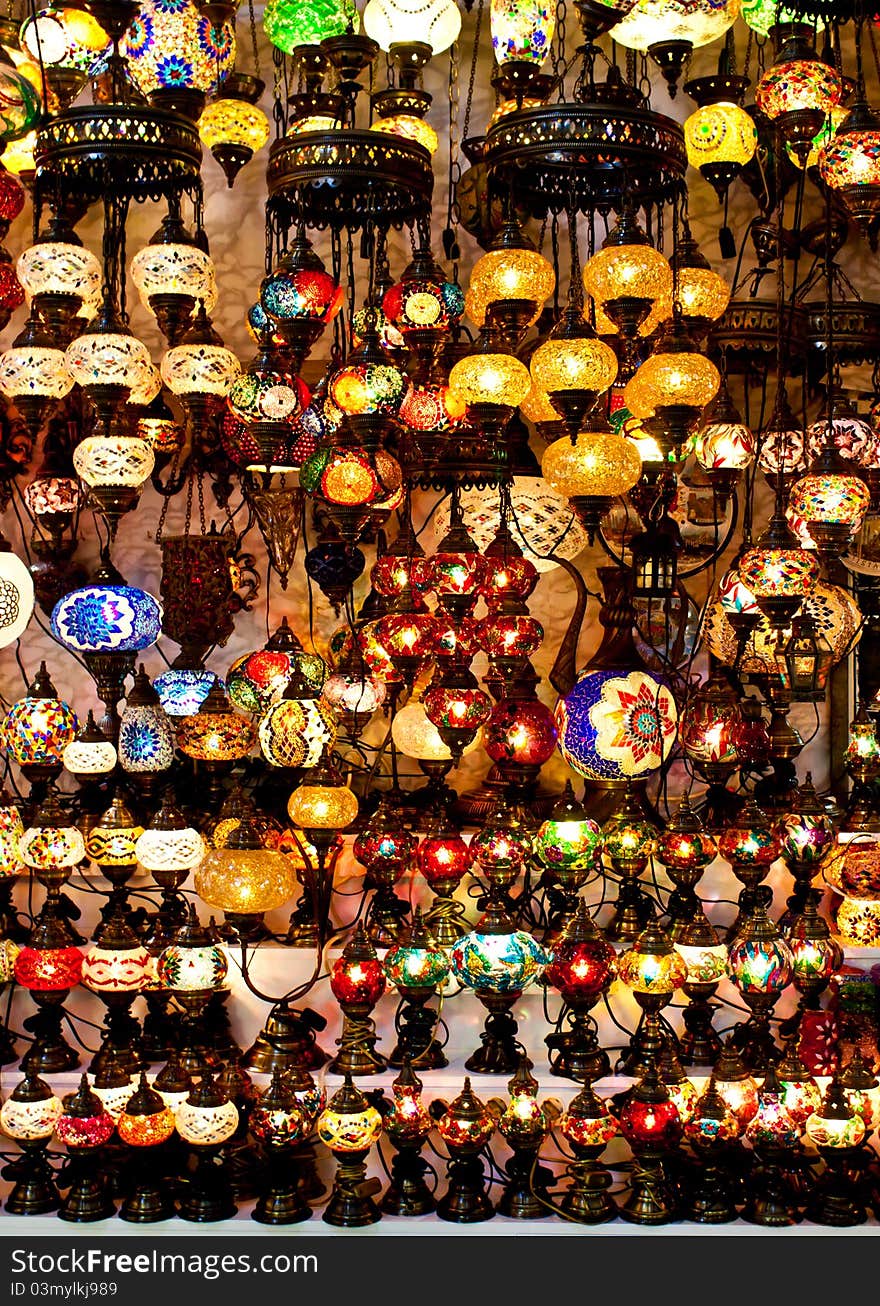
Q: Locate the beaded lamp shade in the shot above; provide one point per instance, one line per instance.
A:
(122, 460)
(435, 22)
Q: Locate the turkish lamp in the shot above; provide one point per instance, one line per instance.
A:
(38, 727)
(778, 572)
(735, 1083)
(51, 845)
(11, 830)
(862, 1089)
(457, 706)
(111, 842)
(146, 735)
(573, 367)
(349, 1126)
(108, 362)
(395, 23)
(208, 1117)
(200, 371)
(324, 805)
(58, 275)
(627, 276)
(702, 293)
(652, 970)
(215, 733)
(761, 966)
(673, 386)
(808, 658)
(289, 25)
(831, 501)
(720, 136)
(232, 124)
(800, 1092)
(592, 471)
(849, 164)
(510, 283)
(172, 274)
(145, 1120)
(724, 446)
(835, 1126)
(815, 955)
(799, 90)
(245, 879)
(491, 382)
(18, 157)
(34, 374)
(299, 297)
(31, 1111)
(114, 469)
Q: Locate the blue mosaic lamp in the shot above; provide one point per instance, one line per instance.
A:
(497, 961)
(182, 691)
(107, 619)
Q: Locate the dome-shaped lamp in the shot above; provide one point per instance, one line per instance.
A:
(232, 124)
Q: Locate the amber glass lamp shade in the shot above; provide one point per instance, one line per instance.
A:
(652, 966)
(348, 1124)
(627, 267)
(145, 1120)
(215, 733)
(244, 878)
(325, 803)
(490, 377)
(597, 464)
(512, 271)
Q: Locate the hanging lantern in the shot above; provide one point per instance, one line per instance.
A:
(107, 618)
(615, 725)
(233, 126)
(720, 137)
(591, 472)
(798, 90)
(850, 165)
(289, 24)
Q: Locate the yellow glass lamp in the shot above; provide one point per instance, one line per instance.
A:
(409, 128)
(323, 806)
(702, 293)
(627, 276)
(510, 283)
(674, 385)
(591, 471)
(436, 23)
(573, 368)
(720, 139)
(245, 879)
(232, 124)
(491, 383)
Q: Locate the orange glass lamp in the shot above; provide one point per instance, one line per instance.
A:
(592, 471)
(673, 386)
(653, 970)
(509, 284)
(627, 276)
(349, 1126)
(320, 808)
(144, 1125)
(407, 1124)
(720, 136)
(215, 737)
(465, 1126)
(573, 367)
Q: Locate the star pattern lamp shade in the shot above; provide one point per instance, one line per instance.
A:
(170, 45)
(107, 618)
(614, 725)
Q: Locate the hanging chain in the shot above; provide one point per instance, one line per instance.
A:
(453, 216)
(255, 46)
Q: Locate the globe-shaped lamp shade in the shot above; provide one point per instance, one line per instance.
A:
(830, 499)
(568, 843)
(109, 358)
(697, 22)
(246, 882)
(349, 1131)
(649, 972)
(37, 730)
(116, 970)
(490, 378)
(615, 725)
(206, 1126)
(29, 1120)
(522, 733)
(720, 133)
(581, 971)
(498, 963)
(215, 735)
(778, 572)
(51, 847)
(724, 446)
(54, 267)
(408, 966)
(295, 732)
(200, 369)
(667, 379)
(289, 24)
(36, 371)
(107, 618)
(120, 460)
(573, 364)
(174, 268)
(760, 965)
(232, 121)
(415, 736)
(64, 38)
(322, 807)
(16, 596)
(197, 969)
(509, 274)
(358, 980)
(621, 271)
(599, 463)
(174, 46)
(798, 84)
(48, 970)
(146, 739)
(179, 849)
(393, 22)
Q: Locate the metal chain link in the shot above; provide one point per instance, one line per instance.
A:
(252, 17)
